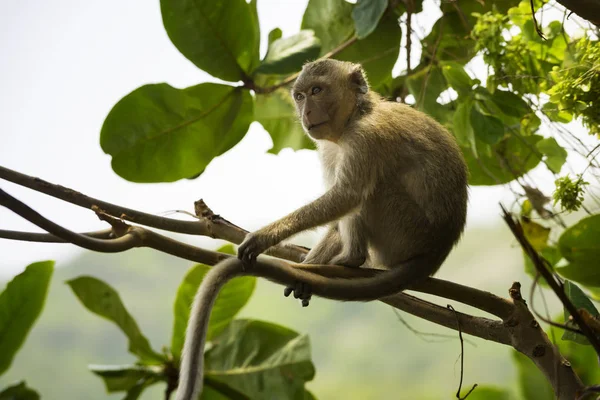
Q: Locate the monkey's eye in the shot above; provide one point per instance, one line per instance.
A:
(298, 96)
(316, 90)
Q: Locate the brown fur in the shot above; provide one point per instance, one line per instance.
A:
(397, 195)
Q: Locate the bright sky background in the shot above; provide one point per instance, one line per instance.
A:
(65, 63)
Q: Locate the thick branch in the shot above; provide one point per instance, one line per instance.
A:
(518, 328)
(211, 226)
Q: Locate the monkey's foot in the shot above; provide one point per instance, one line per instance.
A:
(301, 291)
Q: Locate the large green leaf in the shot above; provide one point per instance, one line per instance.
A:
(503, 162)
(222, 37)
(103, 300)
(286, 56)
(488, 129)
(232, 297)
(261, 360)
(161, 134)
(276, 113)
(19, 391)
(457, 77)
(127, 378)
(426, 86)
(461, 123)
(20, 305)
(366, 16)
(580, 246)
(332, 22)
(554, 155)
(489, 393)
(532, 382)
(579, 300)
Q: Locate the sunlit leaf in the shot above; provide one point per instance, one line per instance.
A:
(579, 300)
(21, 303)
(276, 113)
(101, 299)
(286, 56)
(456, 76)
(536, 234)
(161, 134)
(366, 16)
(579, 244)
(208, 33)
(261, 360)
(232, 297)
(332, 22)
(555, 155)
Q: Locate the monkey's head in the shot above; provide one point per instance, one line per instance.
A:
(327, 93)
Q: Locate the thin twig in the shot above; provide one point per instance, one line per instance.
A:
(462, 357)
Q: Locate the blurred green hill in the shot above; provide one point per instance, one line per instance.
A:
(361, 351)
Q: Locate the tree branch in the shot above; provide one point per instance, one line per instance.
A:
(518, 327)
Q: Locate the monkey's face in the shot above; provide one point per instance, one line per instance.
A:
(314, 106)
(325, 95)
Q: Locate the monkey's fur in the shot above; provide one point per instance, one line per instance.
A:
(397, 196)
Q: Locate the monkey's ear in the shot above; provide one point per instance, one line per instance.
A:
(358, 80)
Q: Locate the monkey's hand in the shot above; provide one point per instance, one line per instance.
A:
(301, 291)
(254, 244)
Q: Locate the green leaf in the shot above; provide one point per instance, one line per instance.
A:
(463, 131)
(277, 114)
(551, 110)
(274, 35)
(366, 16)
(510, 104)
(579, 300)
(457, 78)
(287, 55)
(261, 360)
(532, 382)
(579, 244)
(550, 253)
(488, 129)
(19, 391)
(489, 393)
(580, 357)
(555, 155)
(332, 22)
(122, 378)
(161, 134)
(426, 86)
(219, 37)
(509, 159)
(234, 295)
(21, 303)
(103, 300)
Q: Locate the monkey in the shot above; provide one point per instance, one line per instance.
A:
(396, 198)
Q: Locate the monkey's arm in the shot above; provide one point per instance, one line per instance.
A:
(334, 204)
(328, 247)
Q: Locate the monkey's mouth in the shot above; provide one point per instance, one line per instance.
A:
(313, 126)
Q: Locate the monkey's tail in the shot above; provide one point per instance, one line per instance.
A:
(385, 283)
(192, 362)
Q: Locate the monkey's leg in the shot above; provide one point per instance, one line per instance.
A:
(327, 248)
(354, 242)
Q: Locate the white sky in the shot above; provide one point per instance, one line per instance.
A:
(65, 63)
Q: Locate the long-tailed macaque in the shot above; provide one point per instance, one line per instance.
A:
(396, 196)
